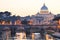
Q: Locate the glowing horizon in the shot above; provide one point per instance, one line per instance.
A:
(28, 7)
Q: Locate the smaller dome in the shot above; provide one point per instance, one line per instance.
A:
(44, 7)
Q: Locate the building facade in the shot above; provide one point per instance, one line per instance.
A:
(42, 17)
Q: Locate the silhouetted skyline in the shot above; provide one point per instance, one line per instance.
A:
(28, 7)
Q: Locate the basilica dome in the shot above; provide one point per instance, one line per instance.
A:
(44, 7)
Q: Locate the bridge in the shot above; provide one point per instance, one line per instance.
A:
(27, 26)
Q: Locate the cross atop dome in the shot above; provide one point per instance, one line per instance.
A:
(44, 7)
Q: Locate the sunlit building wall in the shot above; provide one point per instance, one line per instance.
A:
(8, 23)
(58, 24)
(30, 22)
(42, 17)
(3, 22)
(18, 22)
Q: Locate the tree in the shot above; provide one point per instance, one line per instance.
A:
(25, 22)
(7, 13)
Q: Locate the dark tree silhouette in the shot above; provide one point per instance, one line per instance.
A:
(25, 22)
(7, 13)
(13, 32)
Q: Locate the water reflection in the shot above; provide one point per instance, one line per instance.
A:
(20, 34)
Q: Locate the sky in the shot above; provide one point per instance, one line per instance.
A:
(28, 7)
